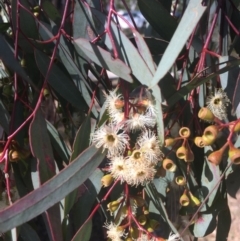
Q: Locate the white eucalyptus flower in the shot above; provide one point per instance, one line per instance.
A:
(139, 122)
(114, 103)
(218, 103)
(149, 145)
(114, 232)
(112, 138)
(139, 173)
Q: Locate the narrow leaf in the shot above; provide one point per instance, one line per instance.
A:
(104, 59)
(52, 191)
(59, 81)
(192, 15)
(84, 233)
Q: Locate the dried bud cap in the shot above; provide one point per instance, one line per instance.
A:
(194, 199)
(184, 132)
(184, 200)
(199, 142)
(119, 104)
(113, 206)
(180, 180)
(234, 155)
(182, 152)
(142, 219)
(235, 128)
(107, 180)
(169, 142)
(205, 114)
(210, 135)
(169, 165)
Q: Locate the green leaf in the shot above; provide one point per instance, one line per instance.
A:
(158, 17)
(28, 233)
(127, 51)
(7, 56)
(197, 81)
(41, 147)
(103, 58)
(58, 143)
(84, 233)
(205, 224)
(52, 191)
(144, 51)
(223, 224)
(192, 15)
(51, 11)
(79, 145)
(59, 81)
(26, 23)
(4, 117)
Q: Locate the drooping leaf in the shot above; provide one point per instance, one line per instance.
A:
(51, 192)
(103, 58)
(127, 52)
(159, 18)
(58, 143)
(205, 224)
(7, 56)
(192, 15)
(50, 10)
(28, 233)
(59, 81)
(4, 117)
(197, 81)
(79, 145)
(84, 233)
(41, 147)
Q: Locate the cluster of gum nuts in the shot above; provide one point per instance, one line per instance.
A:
(210, 134)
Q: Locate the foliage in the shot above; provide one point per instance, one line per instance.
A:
(146, 156)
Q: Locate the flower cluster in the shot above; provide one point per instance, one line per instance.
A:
(134, 165)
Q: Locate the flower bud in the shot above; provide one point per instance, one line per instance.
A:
(169, 165)
(194, 199)
(134, 232)
(107, 180)
(184, 200)
(234, 155)
(14, 155)
(199, 142)
(180, 180)
(210, 135)
(142, 219)
(169, 142)
(113, 206)
(216, 156)
(182, 152)
(184, 132)
(205, 114)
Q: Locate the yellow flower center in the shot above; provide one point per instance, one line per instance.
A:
(110, 138)
(217, 101)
